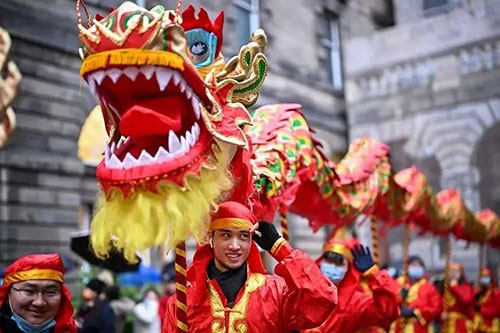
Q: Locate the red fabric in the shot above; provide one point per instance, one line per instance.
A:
(299, 298)
(162, 307)
(428, 303)
(462, 303)
(489, 309)
(64, 317)
(463, 299)
(232, 209)
(379, 309)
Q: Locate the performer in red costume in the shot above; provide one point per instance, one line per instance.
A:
(344, 263)
(460, 301)
(487, 318)
(33, 297)
(422, 302)
(230, 291)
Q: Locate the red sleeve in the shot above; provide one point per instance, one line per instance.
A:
(464, 293)
(309, 297)
(382, 308)
(490, 309)
(429, 305)
(169, 321)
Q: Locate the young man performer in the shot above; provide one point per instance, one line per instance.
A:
(230, 291)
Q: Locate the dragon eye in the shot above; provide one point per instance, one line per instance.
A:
(199, 48)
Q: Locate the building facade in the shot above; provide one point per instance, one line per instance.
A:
(429, 86)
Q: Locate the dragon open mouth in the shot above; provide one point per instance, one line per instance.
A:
(155, 133)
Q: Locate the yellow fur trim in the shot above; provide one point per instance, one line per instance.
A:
(149, 219)
(131, 57)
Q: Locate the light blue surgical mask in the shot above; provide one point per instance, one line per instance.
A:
(416, 272)
(392, 272)
(332, 272)
(27, 327)
(485, 280)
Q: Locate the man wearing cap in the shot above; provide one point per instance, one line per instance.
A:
(422, 302)
(459, 301)
(345, 263)
(487, 308)
(230, 291)
(33, 297)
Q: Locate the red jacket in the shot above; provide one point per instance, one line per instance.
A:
(460, 308)
(487, 319)
(300, 297)
(357, 310)
(427, 304)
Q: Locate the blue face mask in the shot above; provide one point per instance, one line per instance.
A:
(332, 272)
(392, 272)
(485, 280)
(26, 327)
(415, 272)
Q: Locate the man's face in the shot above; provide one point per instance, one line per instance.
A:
(231, 248)
(455, 274)
(36, 301)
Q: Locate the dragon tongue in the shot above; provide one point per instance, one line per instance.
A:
(143, 121)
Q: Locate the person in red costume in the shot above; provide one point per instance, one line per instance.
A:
(487, 308)
(230, 291)
(33, 297)
(422, 302)
(459, 301)
(344, 263)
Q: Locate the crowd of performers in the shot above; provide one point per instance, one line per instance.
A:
(230, 291)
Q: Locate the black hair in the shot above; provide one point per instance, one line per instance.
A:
(113, 293)
(333, 256)
(416, 258)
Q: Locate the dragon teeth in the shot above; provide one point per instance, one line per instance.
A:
(177, 146)
(163, 76)
(174, 144)
(99, 76)
(147, 71)
(195, 102)
(114, 74)
(131, 72)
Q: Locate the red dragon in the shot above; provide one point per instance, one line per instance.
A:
(182, 140)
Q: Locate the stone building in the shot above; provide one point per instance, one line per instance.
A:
(429, 86)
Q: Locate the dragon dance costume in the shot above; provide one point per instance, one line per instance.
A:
(297, 297)
(487, 316)
(356, 310)
(460, 304)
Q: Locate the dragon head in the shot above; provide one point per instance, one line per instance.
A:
(174, 114)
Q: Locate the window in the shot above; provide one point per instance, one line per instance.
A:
(330, 42)
(247, 19)
(428, 4)
(434, 7)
